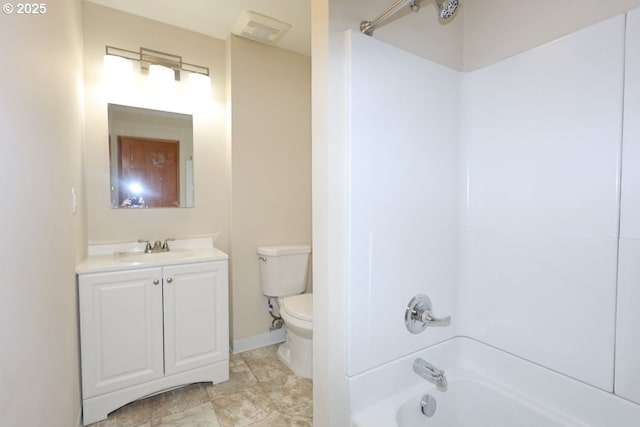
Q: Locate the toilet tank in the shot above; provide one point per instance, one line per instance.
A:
(283, 269)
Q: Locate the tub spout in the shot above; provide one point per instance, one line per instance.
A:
(430, 373)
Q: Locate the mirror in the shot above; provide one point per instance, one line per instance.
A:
(151, 158)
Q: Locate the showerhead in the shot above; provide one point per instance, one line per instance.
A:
(446, 8)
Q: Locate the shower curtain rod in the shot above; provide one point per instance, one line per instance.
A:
(367, 27)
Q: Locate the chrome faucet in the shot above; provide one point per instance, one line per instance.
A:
(147, 249)
(430, 373)
(158, 246)
(418, 315)
(165, 245)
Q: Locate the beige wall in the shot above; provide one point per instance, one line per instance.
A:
(256, 193)
(496, 29)
(104, 26)
(271, 167)
(41, 134)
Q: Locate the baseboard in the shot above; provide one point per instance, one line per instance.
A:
(257, 341)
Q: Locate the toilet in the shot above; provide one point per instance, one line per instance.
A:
(284, 271)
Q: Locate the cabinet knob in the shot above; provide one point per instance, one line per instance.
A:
(170, 280)
(156, 282)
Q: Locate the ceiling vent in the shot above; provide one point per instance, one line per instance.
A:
(260, 28)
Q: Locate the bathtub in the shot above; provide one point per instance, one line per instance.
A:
(468, 401)
(486, 388)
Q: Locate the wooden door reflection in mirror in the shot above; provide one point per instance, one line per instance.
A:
(148, 170)
(151, 157)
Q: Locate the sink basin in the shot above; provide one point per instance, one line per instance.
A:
(141, 257)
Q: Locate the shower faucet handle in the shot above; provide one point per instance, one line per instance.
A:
(418, 315)
(427, 317)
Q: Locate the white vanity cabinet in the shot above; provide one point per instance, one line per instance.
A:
(121, 335)
(195, 300)
(148, 329)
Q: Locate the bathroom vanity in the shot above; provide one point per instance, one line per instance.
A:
(150, 322)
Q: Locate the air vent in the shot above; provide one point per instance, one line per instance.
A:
(260, 28)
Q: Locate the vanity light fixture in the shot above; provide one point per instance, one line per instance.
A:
(118, 75)
(199, 86)
(161, 75)
(148, 57)
(118, 67)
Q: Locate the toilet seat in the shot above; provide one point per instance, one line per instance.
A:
(299, 306)
(297, 313)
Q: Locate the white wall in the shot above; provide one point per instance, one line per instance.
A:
(539, 182)
(328, 206)
(543, 144)
(270, 112)
(493, 30)
(402, 199)
(627, 378)
(330, 20)
(41, 132)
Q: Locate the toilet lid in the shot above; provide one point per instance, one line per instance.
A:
(299, 306)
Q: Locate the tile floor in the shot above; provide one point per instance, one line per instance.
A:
(261, 392)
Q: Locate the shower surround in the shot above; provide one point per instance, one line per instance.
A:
(504, 195)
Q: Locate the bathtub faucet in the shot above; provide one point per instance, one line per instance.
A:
(430, 373)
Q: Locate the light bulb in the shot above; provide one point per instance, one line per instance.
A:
(199, 86)
(117, 68)
(161, 75)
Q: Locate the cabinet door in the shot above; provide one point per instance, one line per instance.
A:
(121, 329)
(195, 314)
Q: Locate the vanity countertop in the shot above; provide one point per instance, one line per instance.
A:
(117, 257)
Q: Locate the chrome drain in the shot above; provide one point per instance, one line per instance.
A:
(428, 405)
